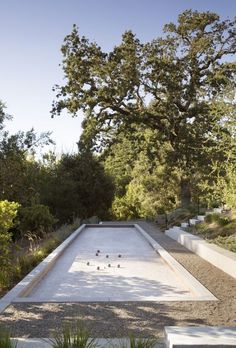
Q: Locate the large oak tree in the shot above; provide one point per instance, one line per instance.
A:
(181, 85)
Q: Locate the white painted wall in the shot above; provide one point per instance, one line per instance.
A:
(219, 257)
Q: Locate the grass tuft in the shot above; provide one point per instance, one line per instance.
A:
(24, 263)
(133, 342)
(77, 336)
(5, 339)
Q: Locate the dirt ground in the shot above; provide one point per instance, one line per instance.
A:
(116, 319)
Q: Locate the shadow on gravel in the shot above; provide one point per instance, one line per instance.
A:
(104, 319)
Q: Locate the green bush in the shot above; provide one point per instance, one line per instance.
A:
(218, 218)
(227, 242)
(201, 228)
(212, 218)
(215, 205)
(8, 211)
(36, 219)
(223, 220)
(27, 262)
(230, 228)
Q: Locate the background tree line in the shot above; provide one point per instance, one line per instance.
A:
(41, 193)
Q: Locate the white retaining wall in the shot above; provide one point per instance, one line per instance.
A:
(219, 257)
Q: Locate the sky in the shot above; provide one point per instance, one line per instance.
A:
(32, 32)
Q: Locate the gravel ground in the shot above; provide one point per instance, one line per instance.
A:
(116, 319)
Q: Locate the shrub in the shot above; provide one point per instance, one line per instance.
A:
(226, 185)
(219, 219)
(212, 218)
(228, 242)
(223, 220)
(201, 228)
(215, 204)
(36, 219)
(27, 262)
(230, 228)
(8, 211)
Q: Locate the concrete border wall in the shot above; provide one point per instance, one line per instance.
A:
(219, 257)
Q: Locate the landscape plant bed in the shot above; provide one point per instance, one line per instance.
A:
(27, 258)
(219, 229)
(75, 335)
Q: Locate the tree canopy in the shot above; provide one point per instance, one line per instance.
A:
(180, 86)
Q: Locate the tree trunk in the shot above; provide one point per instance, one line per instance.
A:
(185, 193)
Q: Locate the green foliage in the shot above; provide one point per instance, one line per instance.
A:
(179, 215)
(179, 87)
(8, 211)
(24, 263)
(212, 218)
(134, 342)
(218, 229)
(78, 336)
(73, 336)
(19, 171)
(227, 242)
(36, 219)
(150, 189)
(226, 185)
(223, 221)
(70, 186)
(218, 218)
(5, 339)
(78, 187)
(119, 162)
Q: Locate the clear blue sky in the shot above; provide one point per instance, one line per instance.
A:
(31, 34)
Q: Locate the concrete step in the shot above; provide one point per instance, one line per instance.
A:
(176, 228)
(201, 217)
(193, 221)
(200, 337)
(217, 210)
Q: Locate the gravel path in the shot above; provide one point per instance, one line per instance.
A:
(115, 319)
